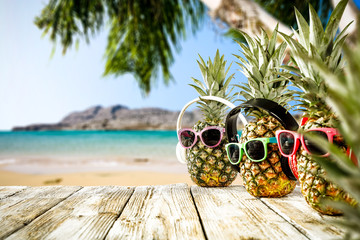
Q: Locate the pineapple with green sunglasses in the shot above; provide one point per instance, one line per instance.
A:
(262, 56)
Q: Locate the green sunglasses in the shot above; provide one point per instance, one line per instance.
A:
(255, 149)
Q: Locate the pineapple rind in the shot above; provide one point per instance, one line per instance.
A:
(210, 167)
(265, 178)
(325, 46)
(263, 57)
(312, 177)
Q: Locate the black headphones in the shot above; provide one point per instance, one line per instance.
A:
(275, 110)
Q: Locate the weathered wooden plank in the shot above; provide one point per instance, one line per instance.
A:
(158, 212)
(232, 213)
(10, 190)
(313, 224)
(22, 208)
(87, 214)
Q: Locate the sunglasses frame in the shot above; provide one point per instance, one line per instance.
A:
(221, 130)
(299, 138)
(242, 148)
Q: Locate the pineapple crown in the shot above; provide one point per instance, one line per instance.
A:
(315, 42)
(215, 84)
(260, 64)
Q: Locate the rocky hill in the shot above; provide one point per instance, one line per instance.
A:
(118, 117)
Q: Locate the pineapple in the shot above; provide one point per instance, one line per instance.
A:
(343, 97)
(210, 167)
(262, 57)
(316, 43)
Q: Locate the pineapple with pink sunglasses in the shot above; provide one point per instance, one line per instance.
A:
(206, 157)
(325, 45)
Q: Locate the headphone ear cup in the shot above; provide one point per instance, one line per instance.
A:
(285, 165)
(181, 153)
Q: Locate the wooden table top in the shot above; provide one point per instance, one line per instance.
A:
(157, 212)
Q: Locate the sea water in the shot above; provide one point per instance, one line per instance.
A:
(88, 144)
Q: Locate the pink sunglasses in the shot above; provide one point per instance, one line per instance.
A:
(289, 141)
(209, 136)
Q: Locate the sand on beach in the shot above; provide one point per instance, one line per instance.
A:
(131, 178)
(123, 172)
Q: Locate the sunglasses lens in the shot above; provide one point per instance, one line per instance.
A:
(255, 150)
(287, 143)
(187, 138)
(311, 146)
(233, 152)
(211, 137)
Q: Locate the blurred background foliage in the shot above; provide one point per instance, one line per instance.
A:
(144, 35)
(277, 8)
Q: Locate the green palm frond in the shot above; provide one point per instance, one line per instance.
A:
(142, 38)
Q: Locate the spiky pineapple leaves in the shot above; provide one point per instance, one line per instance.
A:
(342, 97)
(316, 42)
(262, 56)
(215, 83)
(312, 41)
(212, 73)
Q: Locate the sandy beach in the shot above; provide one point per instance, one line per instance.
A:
(132, 178)
(124, 172)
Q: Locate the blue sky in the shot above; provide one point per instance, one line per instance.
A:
(35, 88)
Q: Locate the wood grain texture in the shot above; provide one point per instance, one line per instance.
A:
(158, 212)
(22, 208)
(313, 224)
(9, 191)
(232, 213)
(87, 214)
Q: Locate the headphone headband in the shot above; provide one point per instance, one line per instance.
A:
(180, 152)
(273, 108)
(218, 99)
